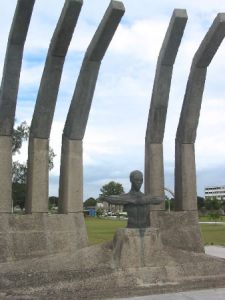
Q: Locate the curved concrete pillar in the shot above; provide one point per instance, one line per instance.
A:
(71, 190)
(8, 96)
(37, 179)
(185, 171)
(154, 172)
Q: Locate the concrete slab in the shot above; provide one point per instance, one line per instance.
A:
(213, 294)
(218, 251)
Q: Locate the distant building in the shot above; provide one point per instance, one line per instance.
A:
(90, 211)
(112, 207)
(215, 192)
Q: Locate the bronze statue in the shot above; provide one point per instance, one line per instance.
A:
(136, 204)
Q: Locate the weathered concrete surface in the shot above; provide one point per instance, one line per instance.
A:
(5, 174)
(91, 273)
(37, 199)
(37, 177)
(74, 130)
(49, 86)
(8, 96)
(136, 262)
(135, 247)
(179, 230)
(185, 186)
(81, 102)
(155, 178)
(185, 174)
(209, 294)
(187, 127)
(154, 173)
(37, 235)
(12, 65)
(71, 176)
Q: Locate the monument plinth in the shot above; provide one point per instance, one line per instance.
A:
(134, 247)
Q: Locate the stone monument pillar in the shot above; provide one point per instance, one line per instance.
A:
(71, 172)
(185, 171)
(38, 154)
(8, 97)
(154, 172)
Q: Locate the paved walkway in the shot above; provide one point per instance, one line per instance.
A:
(218, 251)
(212, 294)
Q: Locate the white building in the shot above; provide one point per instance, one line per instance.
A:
(215, 191)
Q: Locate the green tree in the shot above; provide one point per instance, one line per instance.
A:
(99, 212)
(20, 134)
(111, 188)
(216, 204)
(169, 204)
(19, 172)
(19, 194)
(212, 203)
(200, 202)
(90, 202)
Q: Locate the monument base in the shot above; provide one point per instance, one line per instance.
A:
(136, 262)
(135, 247)
(36, 235)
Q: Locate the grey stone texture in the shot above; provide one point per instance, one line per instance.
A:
(81, 102)
(37, 199)
(185, 171)
(47, 256)
(12, 65)
(179, 229)
(8, 96)
(154, 179)
(70, 191)
(136, 262)
(37, 176)
(185, 175)
(133, 248)
(48, 91)
(154, 172)
(209, 294)
(71, 176)
(37, 235)
(5, 174)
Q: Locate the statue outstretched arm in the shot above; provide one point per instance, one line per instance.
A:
(117, 200)
(148, 199)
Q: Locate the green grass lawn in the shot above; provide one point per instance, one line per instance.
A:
(213, 234)
(102, 230)
(208, 219)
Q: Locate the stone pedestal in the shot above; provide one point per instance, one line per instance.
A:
(178, 230)
(134, 247)
(37, 235)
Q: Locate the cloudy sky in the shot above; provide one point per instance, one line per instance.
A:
(114, 139)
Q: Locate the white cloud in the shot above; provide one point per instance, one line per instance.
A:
(141, 40)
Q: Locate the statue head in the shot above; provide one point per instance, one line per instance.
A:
(136, 179)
